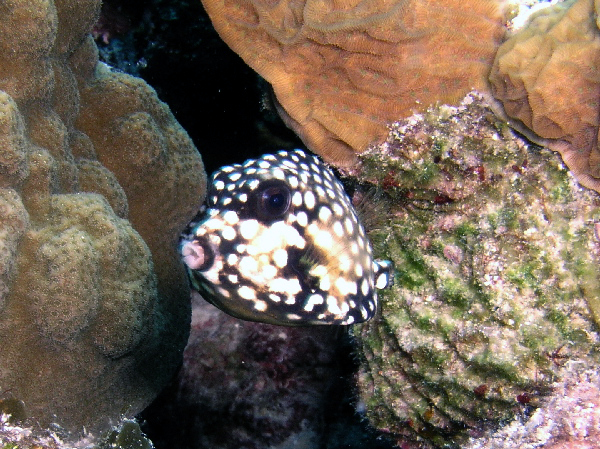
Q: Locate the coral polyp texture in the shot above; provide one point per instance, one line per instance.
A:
(341, 71)
(96, 180)
(497, 287)
(546, 77)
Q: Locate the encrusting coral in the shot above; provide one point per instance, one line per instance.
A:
(568, 420)
(546, 77)
(96, 181)
(341, 71)
(497, 252)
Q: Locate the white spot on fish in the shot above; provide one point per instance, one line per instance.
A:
(280, 257)
(249, 229)
(313, 300)
(338, 229)
(246, 292)
(261, 306)
(332, 306)
(231, 217)
(297, 199)
(302, 219)
(309, 200)
(228, 233)
(324, 213)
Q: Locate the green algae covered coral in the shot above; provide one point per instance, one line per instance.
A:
(497, 284)
(96, 181)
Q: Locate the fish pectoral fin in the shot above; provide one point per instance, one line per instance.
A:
(384, 274)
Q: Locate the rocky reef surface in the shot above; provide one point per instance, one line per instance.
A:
(496, 247)
(261, 386)
(569, 419)
(488, 338)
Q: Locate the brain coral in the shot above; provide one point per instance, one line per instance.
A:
(96, 180)
(341, 71)
(497, 286)
(546, 77)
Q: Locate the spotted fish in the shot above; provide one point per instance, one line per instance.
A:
(279, 242)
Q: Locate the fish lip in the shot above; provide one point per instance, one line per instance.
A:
(198, 254)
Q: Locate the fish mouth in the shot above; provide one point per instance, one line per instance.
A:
(197, 254)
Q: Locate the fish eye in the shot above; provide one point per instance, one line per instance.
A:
(274, 198)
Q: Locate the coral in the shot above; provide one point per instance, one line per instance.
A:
(96, 181)
(569, 419)
(126, 435)
(341, 71)
(171, 61)
(546, 77)
(497, 253)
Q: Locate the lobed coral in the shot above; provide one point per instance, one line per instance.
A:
(497, 252)
(546, 78)
(341, 71)
(96, 180)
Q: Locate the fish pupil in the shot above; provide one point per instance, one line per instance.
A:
(274, 200)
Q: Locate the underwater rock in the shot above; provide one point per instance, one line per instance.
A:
(545, 76)
(253, 385)
(96, 181)
(125, 435)
(497, 251)
(341, 71)
(569, 419)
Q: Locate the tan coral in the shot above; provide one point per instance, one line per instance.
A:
(546, 77)
(96, 181)
(341, 71)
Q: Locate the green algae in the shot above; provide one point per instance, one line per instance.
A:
(496, 281)
(14, 409)
(127, 436)
(10, 446)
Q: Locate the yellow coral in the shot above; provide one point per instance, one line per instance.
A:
(341, 71)
(96, 181)
(546, 77)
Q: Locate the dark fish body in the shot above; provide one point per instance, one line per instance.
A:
(279, 242)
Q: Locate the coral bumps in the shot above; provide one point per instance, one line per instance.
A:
(497, 286)
(546, 77)
(341, 71)
(96, 179)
